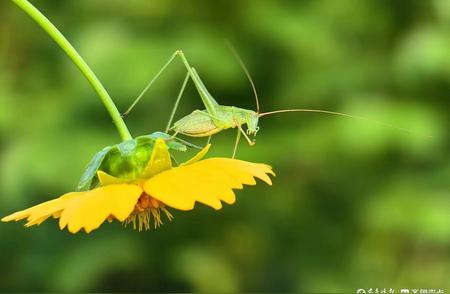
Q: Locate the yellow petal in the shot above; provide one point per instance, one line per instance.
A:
(87, 209)
(107, 179)
(90, 209)
(159, 160)
(209, 181)
(197, 156)
(38, 213)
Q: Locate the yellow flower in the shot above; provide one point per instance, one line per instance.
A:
(207, 181)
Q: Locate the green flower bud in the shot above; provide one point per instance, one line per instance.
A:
(126, 160)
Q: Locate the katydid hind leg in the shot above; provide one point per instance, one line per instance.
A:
(196, 78)
(207, 99)
(177, 102)
(209, 102)
(172, 57)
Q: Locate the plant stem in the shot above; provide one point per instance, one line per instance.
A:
(56, 35)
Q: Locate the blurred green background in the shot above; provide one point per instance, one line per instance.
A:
(354, 205)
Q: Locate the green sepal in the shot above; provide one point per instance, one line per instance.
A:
(90, 172)
(125, 160)
(127, 148)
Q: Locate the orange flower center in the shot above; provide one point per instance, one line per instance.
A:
(145, 209)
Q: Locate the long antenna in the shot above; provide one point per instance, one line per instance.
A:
(244, 68)
(343, 114)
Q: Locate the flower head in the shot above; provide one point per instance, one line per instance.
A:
(157, 187)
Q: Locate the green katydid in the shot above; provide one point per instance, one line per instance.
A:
(216, 117)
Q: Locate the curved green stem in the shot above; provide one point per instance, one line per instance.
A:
(56, 35)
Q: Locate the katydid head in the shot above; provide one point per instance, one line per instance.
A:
(252, 123)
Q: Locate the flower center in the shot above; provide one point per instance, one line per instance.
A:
(145, 209)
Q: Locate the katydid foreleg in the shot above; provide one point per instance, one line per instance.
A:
(238, 136)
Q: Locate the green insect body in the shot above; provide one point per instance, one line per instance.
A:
(202, 124)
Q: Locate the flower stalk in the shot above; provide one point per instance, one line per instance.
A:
(72, 53)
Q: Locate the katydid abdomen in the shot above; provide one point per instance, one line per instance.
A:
(196, 124)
